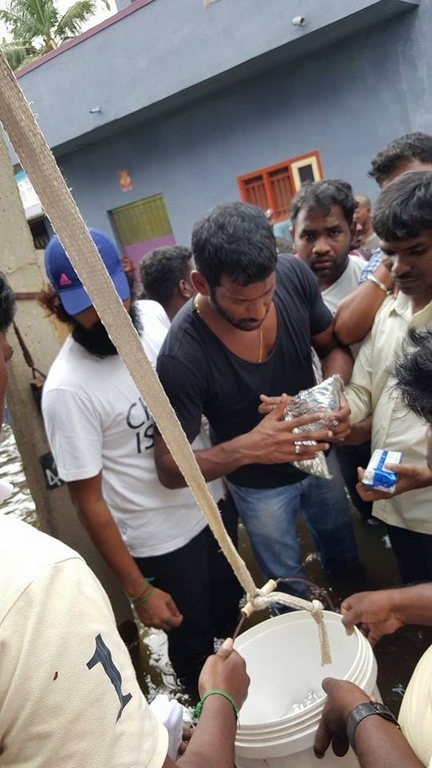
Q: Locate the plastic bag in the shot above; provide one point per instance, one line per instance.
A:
(324, 397)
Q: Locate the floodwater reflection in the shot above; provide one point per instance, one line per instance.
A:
(20, 504)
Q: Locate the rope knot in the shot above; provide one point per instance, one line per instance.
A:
(317, 610)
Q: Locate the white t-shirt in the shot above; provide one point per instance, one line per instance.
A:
(346, 283)
(68, 692)
(415, 716)
(95, 419)
(333, 296)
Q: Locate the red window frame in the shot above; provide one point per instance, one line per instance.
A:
(266, 184)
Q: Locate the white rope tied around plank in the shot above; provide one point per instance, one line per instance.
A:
(59, 205)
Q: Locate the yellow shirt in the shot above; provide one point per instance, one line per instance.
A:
(372, 391)
(415, 716)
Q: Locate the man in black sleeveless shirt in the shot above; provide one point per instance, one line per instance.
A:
(249, 332)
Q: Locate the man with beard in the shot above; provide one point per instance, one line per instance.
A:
(403, 222)
(322, 215)
(101, 435)
(249, 331)
(323, 228)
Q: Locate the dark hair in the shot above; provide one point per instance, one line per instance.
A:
(412, 146)
(235, 240)
(413, 374)
(7, 304)
(404, 207)
(49, 300)
(323, 195)
(161, 271)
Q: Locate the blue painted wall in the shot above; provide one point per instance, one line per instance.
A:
(155, 49)
(347, 101)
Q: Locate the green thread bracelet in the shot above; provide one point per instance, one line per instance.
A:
(141, 599)
(148, 581)
(212, 692)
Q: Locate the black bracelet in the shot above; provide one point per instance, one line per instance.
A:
(365, 710)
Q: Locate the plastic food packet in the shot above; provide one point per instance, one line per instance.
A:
(324, 398)
(173, 716)
(376, 475)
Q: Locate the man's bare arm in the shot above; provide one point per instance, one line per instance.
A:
(383, 611)
(159, 610)
(272, 441)
(334, 357)
(378, 742)
(356, 313)
(212, 743)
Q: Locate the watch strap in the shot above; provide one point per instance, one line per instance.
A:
(365, 710)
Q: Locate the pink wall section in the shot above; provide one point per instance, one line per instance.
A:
(137, 251)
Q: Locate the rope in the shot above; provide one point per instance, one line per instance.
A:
(315, 608)
(269, 595)
(59, 205)
(26, 352)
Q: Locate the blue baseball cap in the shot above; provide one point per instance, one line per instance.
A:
(65, 280)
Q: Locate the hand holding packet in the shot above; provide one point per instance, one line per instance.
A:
(323, 398)
(376, 475)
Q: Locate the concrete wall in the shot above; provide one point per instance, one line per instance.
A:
(347, 101)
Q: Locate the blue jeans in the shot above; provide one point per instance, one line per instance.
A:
(269, 516)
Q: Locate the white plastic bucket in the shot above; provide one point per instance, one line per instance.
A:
(278, 721)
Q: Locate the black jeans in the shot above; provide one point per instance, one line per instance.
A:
(350, 457)
(413, 552)
(206, 592)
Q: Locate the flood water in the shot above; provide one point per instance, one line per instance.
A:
(20, 503)
(397, 654)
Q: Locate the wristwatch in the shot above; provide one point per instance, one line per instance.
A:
(365, 710)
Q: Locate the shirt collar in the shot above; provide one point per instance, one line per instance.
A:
(401, 305)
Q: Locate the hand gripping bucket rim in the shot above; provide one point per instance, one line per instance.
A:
(293, 731)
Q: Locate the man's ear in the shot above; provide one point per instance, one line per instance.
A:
(186, 289)
(200, 283)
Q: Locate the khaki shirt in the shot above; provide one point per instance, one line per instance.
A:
(372, 391)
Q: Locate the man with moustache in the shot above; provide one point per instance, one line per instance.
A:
(354, 318)
(322, 217)
(101, 435)
(403, 221)
(322, 227)
(249, 332)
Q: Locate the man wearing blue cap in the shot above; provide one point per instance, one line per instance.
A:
(101, 435)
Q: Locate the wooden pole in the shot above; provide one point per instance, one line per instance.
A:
(23, 267)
